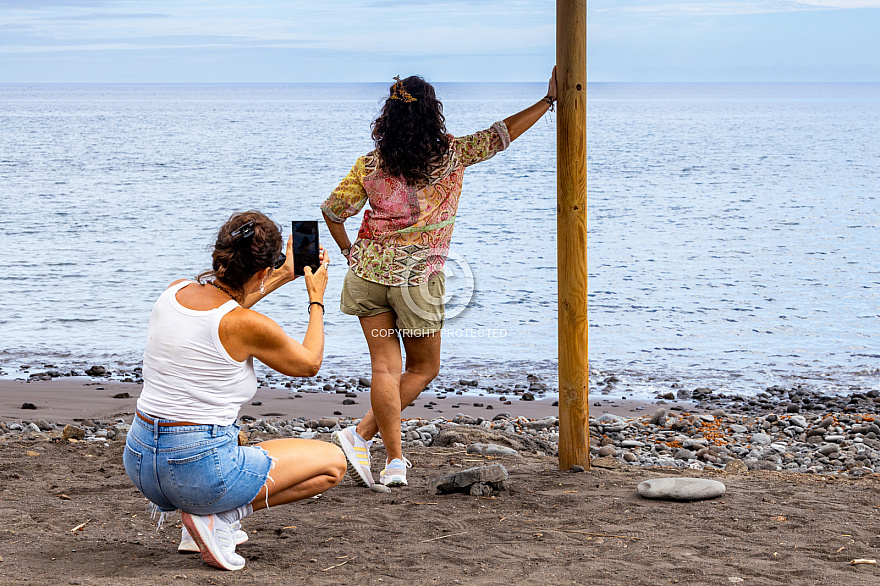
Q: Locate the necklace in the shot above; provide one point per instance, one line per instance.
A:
(222, 290)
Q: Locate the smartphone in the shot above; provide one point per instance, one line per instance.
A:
(305, 246)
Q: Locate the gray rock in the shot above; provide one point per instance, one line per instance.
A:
(496, 450)
(607, 451)
(798, 420)
(761, 439)
(32, 427)
(737, 428)
(834, 438)
(430, 429)
(540, 424)
(327, 422)
(632, 444)
(364, 382)
(45, 425)
(491, 450)
(380, 488)
(684, 454)
(681, 489)
(827, 449)
(659, 417)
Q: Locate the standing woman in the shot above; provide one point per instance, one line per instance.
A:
(182, 451)
(395, 283)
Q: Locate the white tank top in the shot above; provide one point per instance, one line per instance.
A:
(188, 375)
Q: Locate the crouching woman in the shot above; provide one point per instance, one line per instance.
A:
(182, 451)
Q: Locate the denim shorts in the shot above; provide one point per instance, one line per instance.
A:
(199, 469)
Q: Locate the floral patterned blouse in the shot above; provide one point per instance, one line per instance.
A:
(404, 236)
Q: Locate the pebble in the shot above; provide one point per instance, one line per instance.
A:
(377, 487)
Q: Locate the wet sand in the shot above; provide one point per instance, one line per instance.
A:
(71, 398)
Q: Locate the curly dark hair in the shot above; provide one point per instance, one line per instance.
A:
(236, 259)
(410, 136)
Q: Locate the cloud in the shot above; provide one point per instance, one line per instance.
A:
(719, 8)
(110, 16)
(841, 4)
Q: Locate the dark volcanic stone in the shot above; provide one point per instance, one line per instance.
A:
(28, 406)
(492, 476)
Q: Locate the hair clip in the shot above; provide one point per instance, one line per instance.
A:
(244, 231)
(398, 92)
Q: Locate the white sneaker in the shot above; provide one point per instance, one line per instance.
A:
(357, 454)
(216, 540)
(394, 473)
(188, 545)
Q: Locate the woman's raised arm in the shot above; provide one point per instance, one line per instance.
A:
(247, 333)
(522, 121)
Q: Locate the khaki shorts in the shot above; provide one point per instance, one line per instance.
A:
(419, 310)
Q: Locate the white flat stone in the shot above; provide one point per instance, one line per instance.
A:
(681, 489)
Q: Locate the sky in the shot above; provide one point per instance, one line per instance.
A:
(207, 41)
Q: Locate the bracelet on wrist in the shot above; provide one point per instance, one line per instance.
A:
(311, 303)
(550, 101)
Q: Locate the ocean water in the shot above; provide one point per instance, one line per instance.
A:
(732, 228)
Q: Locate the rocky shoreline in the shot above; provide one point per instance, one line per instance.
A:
(779, 429)
(836, 443)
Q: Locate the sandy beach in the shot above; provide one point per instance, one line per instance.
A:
(70, 398)
(70, 515)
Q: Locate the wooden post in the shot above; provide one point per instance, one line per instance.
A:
(571, 227)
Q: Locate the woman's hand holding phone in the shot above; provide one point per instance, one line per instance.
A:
(316, 283)
(287, 268)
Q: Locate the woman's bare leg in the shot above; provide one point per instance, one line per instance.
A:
(303, 468)
(385, 400)
(422, 366)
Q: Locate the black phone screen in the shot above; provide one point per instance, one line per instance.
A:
(305, 246)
